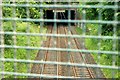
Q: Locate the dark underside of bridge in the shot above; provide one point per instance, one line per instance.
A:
(60, 15)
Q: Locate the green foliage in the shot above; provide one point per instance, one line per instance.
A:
(21, 12)
(79, 30)
(92, 29)
(106, 45)
(106, 15)
(24, 54)
(107, 30)
(91, 13)
(7, 11)
(7, 38)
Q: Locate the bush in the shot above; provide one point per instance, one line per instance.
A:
(21, 12)
(106, 45)
(107, 30)
(24, 54)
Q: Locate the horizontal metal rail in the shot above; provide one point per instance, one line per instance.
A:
(61, 6)
(61, 35)
(60, 49)
(60, 63)
(64, 21)
(37, 75)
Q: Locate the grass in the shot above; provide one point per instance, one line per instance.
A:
(34, 41)
(106, 45)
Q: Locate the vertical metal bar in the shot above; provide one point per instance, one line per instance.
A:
(114, 35)
(99, 40)
(41, 43)
(83, 33)
(41, 16)
(14, 38)
(28, 37)
(69, 41)
(1, 42)
(54, 38)
(55, 23)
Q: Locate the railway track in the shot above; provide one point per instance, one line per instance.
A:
(63, 56)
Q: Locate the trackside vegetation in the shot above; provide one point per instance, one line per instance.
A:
(21, 40)
(35, 41)
(105, 30)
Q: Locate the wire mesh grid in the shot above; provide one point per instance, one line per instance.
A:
(35, 42)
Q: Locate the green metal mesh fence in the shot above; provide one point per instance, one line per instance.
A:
(23, 29)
